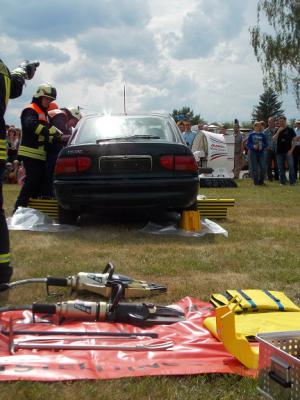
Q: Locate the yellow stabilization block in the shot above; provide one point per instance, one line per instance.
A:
(250, 324)
(47, 206)
(235, 344)
(234, 329)
(190, 221)
(253, 300)
(214, 208)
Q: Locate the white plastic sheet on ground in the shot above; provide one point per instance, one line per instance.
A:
(29, 219)
(207, 226)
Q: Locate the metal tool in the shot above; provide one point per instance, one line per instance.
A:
(162, 345)
(133, 313)
(98, 283)
(79, 333)
(140, 314)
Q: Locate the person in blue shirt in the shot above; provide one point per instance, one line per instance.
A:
(256, 144)
(188, 135)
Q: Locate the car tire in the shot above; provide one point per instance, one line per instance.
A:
(68, 217)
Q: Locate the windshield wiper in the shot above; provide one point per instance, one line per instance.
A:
(111, 138)
(145, 137)
(127, 137)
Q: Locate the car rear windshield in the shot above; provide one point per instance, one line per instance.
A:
(98, 129)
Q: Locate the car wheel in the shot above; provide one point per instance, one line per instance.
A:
(67, 216)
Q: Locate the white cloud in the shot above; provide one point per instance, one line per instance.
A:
(43, 52)
(193, 53)
(60, 20)
(121, 42)
(208, 25)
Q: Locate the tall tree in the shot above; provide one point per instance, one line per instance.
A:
(188, 114)
(268, 106)
(278, 51)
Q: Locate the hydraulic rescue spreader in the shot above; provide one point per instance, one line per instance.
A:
(98, 283)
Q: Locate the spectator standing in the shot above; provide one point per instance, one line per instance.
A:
(12, 144)
(296, 152)
(11, 172)
(11, 87)
(246, 152)
(271, 160)
(36, 136)
(257, 144)
(263, 125)
(180, 125)
(223, 130)
(200, 126)
(188, 135)
(285, 138)
(238, 149)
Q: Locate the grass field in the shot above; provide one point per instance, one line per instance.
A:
(262, 251)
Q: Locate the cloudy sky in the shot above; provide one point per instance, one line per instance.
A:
(168, 53)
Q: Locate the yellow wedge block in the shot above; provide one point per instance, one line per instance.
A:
(47, 206)
(235, 344)
(214, 208)
(190, 221)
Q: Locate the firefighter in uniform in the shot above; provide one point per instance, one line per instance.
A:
(37, 134)
(64, 119)
(11, 86)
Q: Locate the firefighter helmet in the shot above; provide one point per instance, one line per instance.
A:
(75, 112)
(46, 90)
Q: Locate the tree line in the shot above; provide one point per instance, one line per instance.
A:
(269, 105)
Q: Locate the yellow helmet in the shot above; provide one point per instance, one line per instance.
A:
(45, 90)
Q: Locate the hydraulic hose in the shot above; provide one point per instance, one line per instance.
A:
(15, 308)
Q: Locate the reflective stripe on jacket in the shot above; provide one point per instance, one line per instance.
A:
(35, 139)
(5, 86)
(4, 258)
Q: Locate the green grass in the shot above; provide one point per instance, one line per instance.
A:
(262, 251)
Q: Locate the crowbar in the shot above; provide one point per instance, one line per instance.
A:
(162, 345)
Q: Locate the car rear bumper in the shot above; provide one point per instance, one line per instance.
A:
(158, 193)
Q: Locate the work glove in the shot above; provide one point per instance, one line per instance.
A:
(52, 130)
(27, 69)
(55, 135)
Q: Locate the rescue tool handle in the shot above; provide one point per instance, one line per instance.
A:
(53, 281)
(38, 308)
(109, 269)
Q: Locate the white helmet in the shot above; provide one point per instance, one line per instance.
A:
(75, 112)
(45, 90)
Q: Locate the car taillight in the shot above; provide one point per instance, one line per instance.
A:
(72, 165)
(179, 163)
(167, 162)
(83, 163)
(186, 163)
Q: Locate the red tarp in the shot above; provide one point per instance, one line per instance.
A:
(195, 350)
